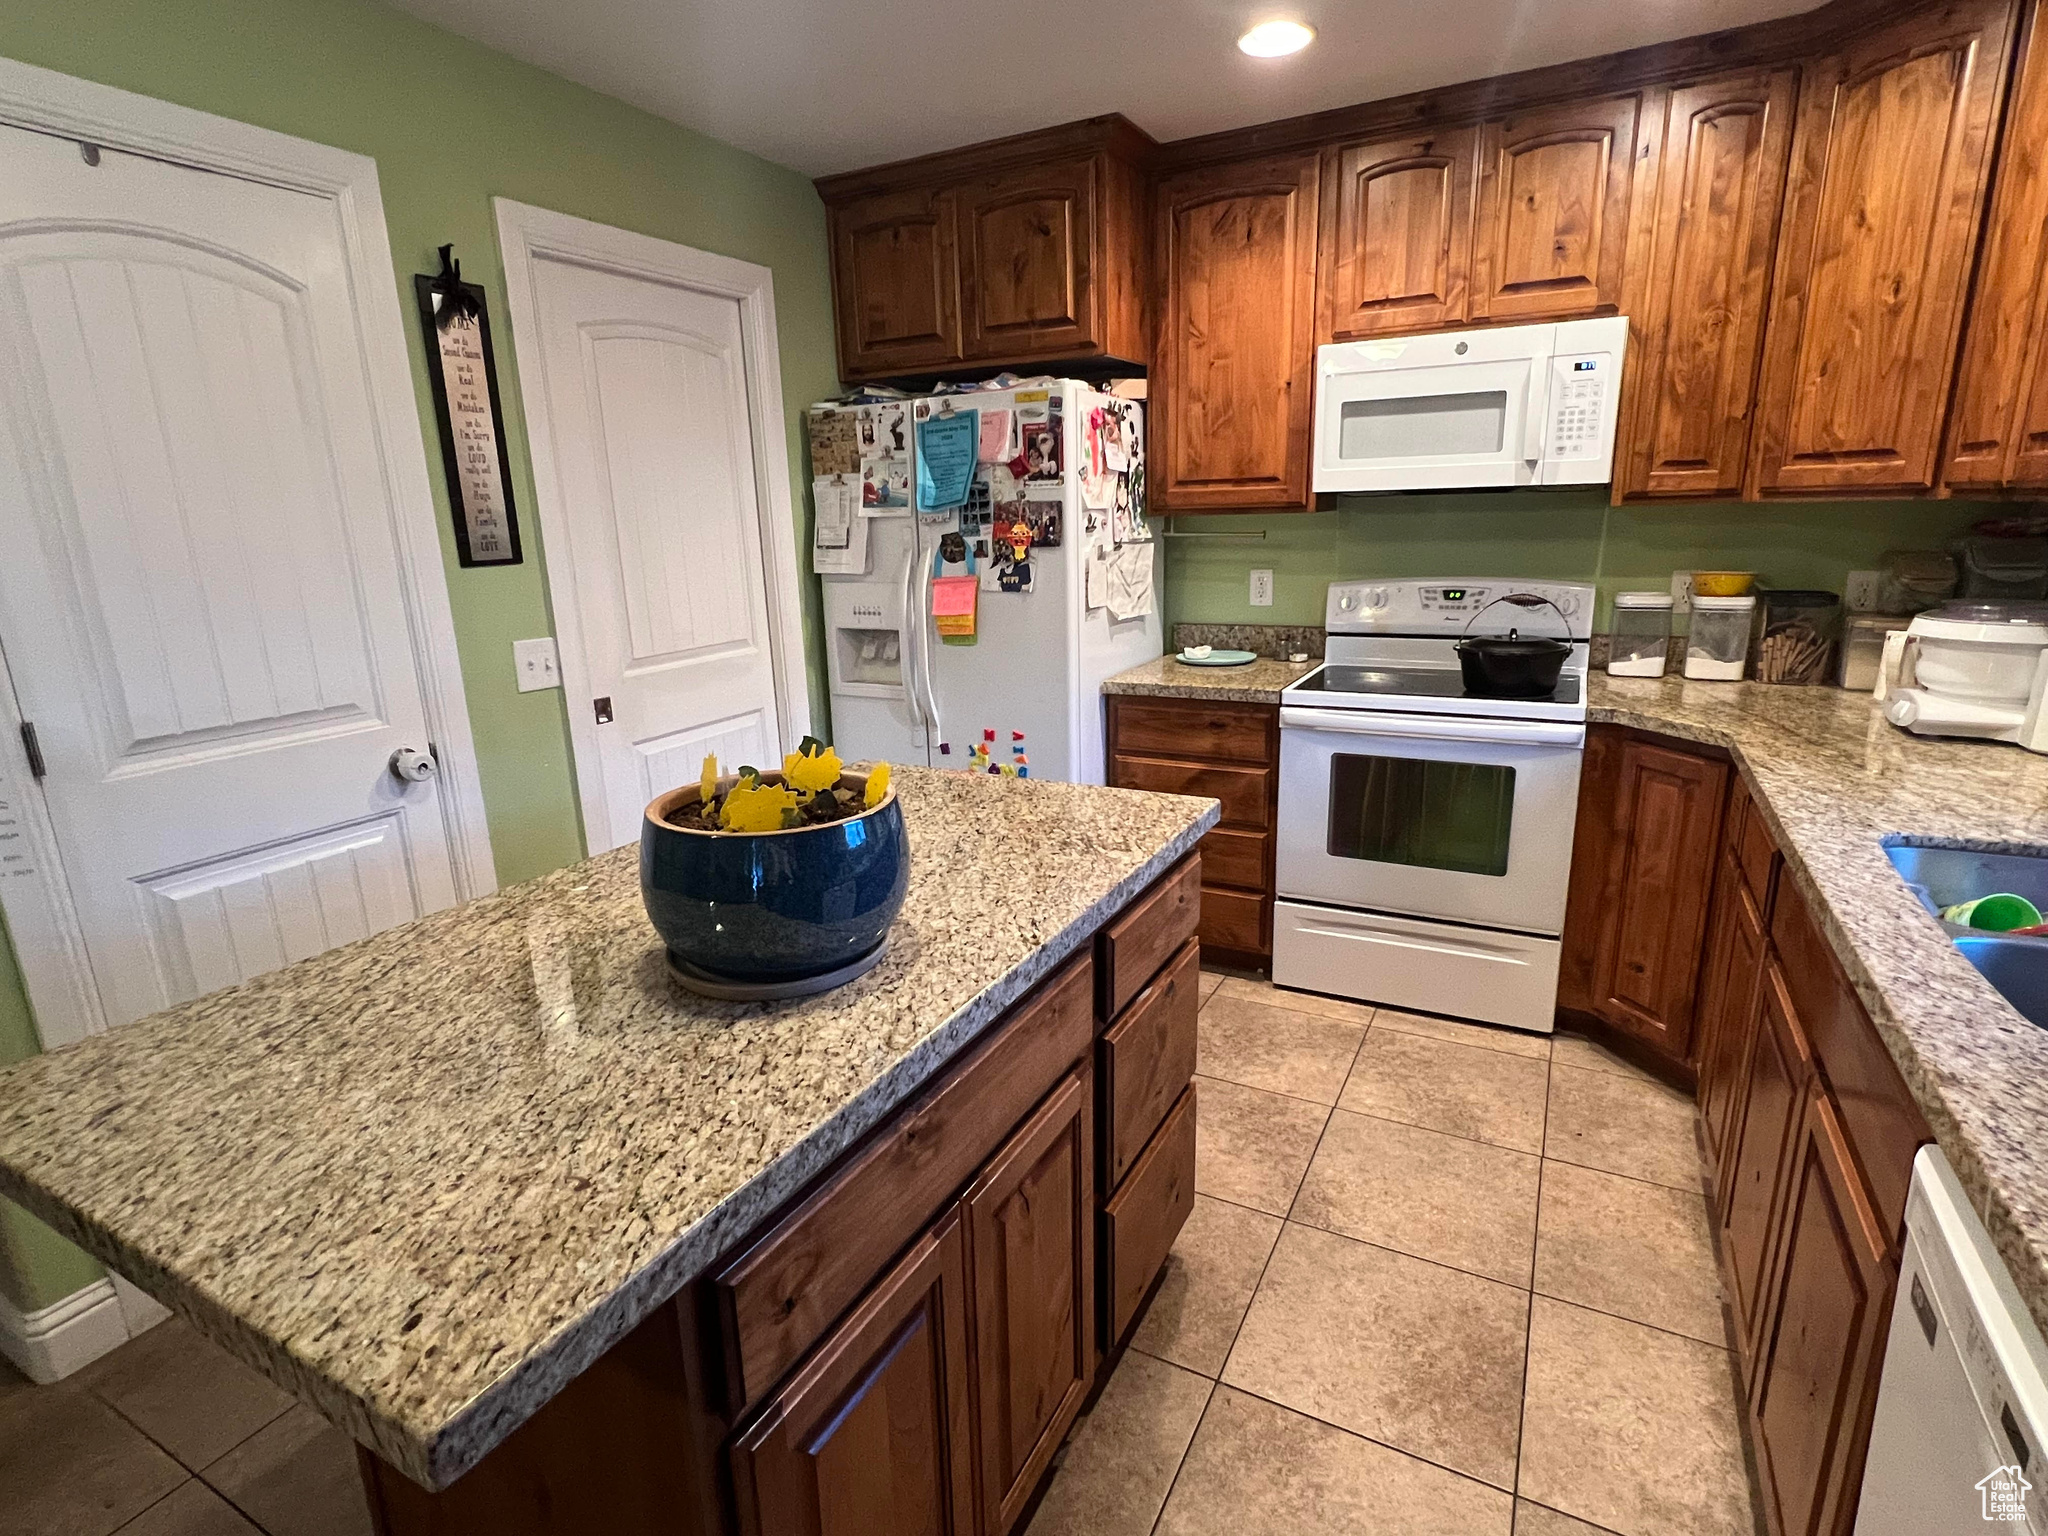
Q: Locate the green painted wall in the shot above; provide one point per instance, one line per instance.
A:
(1562, 535)
(451, 125)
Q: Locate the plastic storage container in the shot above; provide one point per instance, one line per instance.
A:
(1863, 648)
(1641, 641)
(1718, 646)
(1796, 630)
(2004, 568)
(1912, 579)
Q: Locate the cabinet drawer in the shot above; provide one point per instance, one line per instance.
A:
(1235, 733)
(1235, 858)
(1148, 1056)
(779, 1297)
(1246, 793)
(1143, 1218)
(1137, 944)
(1755, 854)
(1233, 920)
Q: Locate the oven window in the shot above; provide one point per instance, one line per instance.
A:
(1405, 810)
(1423, 426)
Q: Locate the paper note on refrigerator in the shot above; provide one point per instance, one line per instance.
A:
(946, 448)
(1130, 582)
(839, 544)
(1096, 578)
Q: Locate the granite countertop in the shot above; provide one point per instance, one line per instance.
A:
(1256, 682)
(1835, 781)
(423, 1181)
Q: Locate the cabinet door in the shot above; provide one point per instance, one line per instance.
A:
(1666, 831)
(1823, 1335)
(1998, 430)
(1889, 164)
(874, 1434)
(1730, 1005)
(1397, 234)
(1026, 269)
(1234, 369)
(1772, 1095)
(1553, 211)
(1699, 335)
(895, 283)
(1031, 1239)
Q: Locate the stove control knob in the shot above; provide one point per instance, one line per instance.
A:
(1348, 601)
(1569, 602)
(1377, 597)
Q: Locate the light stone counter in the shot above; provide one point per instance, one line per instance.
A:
(1835, 782)
(425, 1180)
(1256, 682)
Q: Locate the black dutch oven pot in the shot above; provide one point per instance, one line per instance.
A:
(1510, 666)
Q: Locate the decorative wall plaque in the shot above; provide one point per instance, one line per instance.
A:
(465, 379)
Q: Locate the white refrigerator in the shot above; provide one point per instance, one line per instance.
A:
(1031, 679)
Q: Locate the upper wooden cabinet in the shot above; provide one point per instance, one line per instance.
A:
(1998, 430)
(1890, 160)
(1233, 376)
(893, 285)
(1715, 156)
(1397, 234)
(1023, 251)
(1553, 211)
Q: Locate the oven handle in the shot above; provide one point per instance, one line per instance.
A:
(1359, 722)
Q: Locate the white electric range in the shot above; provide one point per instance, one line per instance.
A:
(1425, 833)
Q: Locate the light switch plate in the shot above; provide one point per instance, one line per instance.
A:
(537, 664)
(1262, 589)
(1681, 591)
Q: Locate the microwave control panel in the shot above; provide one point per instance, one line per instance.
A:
(1580, 425)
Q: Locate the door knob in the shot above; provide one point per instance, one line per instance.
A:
(412, 767)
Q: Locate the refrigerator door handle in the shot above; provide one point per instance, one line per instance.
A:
(919, 615)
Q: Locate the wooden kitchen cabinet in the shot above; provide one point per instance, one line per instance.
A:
(1636, 918)
(1230, 751)
(1719, 149)
(875, 1433)
(1813, 1384)
(1890, 161)
(1553, 211)
(1026, 250)
(1773, 1096)
(1396, 239)
(1232, 380)
(1031, 1242)
(1731, 1005)
(1998, 429)
(896, 292)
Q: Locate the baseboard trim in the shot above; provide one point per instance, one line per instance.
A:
(51, 1342)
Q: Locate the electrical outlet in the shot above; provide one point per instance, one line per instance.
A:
(536, 664)
(1859, 592)
(1681, 591)
(1262, 589)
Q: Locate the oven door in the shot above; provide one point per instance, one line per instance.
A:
(1461, 819)
(1420, 424)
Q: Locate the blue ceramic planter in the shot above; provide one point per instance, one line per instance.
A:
(774, 906)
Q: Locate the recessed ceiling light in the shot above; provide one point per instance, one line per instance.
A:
(1276, 39)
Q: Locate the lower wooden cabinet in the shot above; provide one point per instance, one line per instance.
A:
(1031, 1237)
(875, 1433)
(1773, 1092)
(1228, 751)
(1648, 842)
(1816, 1365)
(1731, 1003)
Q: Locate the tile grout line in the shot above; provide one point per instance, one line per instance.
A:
(1529, 1313)
(1216, 1382)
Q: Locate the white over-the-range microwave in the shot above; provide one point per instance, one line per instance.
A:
(1520, 405)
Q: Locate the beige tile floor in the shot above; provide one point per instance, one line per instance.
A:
(1440, 1280)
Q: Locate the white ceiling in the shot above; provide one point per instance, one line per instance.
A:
(824, 86)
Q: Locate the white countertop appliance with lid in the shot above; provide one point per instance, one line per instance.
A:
(1425, 830)
(1971, 668)
(1516, 405)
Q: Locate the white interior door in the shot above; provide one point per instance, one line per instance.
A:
(642, 396)
(202, 599)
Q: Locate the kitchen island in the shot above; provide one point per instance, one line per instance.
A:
(493, 1160)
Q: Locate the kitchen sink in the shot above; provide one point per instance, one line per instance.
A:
(1942, 877)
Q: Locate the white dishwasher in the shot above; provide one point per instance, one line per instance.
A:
(1957, 1440)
